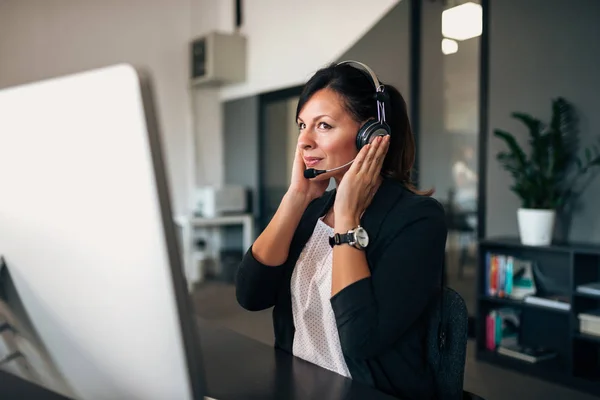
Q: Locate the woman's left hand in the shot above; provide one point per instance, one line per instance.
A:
(359, 184)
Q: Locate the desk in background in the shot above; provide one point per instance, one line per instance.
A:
(188, 227)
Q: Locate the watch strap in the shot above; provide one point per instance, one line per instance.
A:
(340, 238)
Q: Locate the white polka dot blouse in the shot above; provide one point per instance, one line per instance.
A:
(316, 338)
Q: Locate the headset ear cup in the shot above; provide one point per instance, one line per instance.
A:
(364, 133)
(369, 131)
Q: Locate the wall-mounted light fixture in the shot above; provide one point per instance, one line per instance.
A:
(462, 22)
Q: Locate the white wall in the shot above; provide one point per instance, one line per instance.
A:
(45, 38)
(290, 40)
(287, 41)
(207, 112)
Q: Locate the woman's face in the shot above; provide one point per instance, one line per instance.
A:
(327, 136)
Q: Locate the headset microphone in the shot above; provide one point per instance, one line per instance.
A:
(313, 173)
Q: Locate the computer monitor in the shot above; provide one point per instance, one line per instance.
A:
(94, 302)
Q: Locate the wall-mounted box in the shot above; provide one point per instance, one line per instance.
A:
(217, 59)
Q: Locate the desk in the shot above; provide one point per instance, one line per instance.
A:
(245, 220)
(240, 368)
(187, 227)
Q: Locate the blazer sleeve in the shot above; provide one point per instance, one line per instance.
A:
(373, 313)
(256, 284)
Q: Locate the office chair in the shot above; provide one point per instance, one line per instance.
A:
(447, 345)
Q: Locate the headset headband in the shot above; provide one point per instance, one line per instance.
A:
(379, 88)
(368, 70)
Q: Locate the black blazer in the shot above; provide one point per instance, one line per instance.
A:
(381, 320)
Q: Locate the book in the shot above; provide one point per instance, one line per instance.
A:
(490, 330)
(508, 276)
(589, 322)
(493, 284)
(523, 283)
(528, 354)
(502, 327)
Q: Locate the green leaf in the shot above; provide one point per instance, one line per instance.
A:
(517, 152)
(588, 155)
(534, 125)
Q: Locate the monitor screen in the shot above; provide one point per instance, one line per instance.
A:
(93, 301)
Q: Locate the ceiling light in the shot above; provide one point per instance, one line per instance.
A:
(462, 22)
(449, 46)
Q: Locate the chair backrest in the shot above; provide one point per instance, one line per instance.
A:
(447, 343)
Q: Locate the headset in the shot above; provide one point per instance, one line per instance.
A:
(370, 129)
(374, 127)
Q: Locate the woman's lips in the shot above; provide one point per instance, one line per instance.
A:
(311, 161)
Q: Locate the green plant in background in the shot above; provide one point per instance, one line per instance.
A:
(548, 177)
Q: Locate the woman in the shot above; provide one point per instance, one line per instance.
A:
(358, 309)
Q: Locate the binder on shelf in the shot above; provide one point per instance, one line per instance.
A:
(527, 354)
(589, 322)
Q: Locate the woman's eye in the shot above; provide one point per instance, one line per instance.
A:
(301, 125)
(324, 125)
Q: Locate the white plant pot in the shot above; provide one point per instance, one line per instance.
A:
(536, 226)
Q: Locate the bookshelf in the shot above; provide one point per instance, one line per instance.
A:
(557, 269)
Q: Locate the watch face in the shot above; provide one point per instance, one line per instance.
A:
(362, 238)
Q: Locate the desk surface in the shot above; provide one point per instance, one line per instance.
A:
(237, 368)
(12, 387)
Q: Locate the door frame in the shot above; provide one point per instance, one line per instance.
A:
(264, 100)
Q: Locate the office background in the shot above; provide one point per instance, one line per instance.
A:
(530, 52)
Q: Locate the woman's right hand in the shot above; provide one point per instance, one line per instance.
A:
(300, 186)
(272, 247)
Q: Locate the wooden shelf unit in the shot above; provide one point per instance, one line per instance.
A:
(578, 362)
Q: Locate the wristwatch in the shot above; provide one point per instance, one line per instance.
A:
(357, 237)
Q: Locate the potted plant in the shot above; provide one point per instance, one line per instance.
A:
(549, 177)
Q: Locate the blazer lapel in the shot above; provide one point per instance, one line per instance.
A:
(388, 194)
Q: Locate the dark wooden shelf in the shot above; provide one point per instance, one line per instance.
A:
(547, 308)
(588, 383)
(552, 369)
(566, 264)
(586, 295)
(561, 247)
(587, 337)
(520, 303)
(502, 301)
